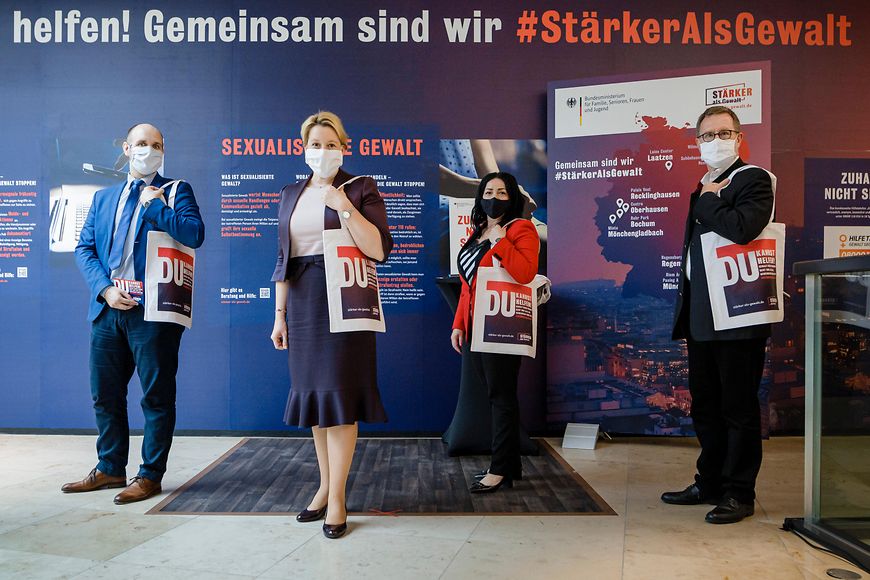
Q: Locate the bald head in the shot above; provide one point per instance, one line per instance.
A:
(143, 134)
(138, 128)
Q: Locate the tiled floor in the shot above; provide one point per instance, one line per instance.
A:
(46, 534)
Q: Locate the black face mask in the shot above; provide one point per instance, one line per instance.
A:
(495, 208)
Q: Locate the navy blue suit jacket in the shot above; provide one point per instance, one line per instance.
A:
(183, 223)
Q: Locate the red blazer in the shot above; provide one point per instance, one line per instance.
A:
(362, 193)
(518, 254)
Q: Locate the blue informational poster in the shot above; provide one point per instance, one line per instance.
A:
(434, 96)
(837, 195)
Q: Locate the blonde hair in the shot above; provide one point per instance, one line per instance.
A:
(326, 119)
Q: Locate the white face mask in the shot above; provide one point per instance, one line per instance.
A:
(145, 160)
(324, 162)
(718, 153)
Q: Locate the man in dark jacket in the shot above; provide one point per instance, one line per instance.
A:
(725, 366)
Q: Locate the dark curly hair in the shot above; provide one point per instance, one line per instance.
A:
(515, 210)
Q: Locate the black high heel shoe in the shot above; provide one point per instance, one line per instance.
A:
(478, 487)
(334, 532)
(485, 472)
(307, 515)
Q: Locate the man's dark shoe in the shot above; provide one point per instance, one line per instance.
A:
(730, 511)
(140, 488)
(95, 480)
(689, 496)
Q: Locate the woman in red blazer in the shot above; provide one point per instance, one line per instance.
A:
(500, 236)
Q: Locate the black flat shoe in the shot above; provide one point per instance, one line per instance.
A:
(690, 496)
(306, 515)
(485, 472)
(478, 487)
(334, 532)
(730, 511)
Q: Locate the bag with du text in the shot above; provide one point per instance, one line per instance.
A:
(506, 312)
(352, 288)
(745, 282)
(169, 273)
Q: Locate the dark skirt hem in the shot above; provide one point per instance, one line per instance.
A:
(333, 408)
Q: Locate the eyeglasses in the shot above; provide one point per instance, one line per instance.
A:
(724, 134)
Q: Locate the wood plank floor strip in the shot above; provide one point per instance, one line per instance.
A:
(174, 495)
(279, 476)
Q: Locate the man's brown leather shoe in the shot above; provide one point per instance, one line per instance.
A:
(140, 488)
(95, 480)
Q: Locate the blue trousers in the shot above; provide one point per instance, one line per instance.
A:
(123, 342)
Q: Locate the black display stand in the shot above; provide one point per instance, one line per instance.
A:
(470, 431)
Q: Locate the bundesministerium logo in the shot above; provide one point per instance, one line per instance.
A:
(728, 95)
(573, 102)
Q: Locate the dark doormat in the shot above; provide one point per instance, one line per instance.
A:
(279, 476)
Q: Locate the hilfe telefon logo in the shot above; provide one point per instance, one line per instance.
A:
(573, 102)
(728, 95)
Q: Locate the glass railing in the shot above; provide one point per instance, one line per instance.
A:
(837, 452)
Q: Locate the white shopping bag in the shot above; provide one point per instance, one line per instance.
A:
(505, 313)
(745, 282)
(352, 288)
(169, 273)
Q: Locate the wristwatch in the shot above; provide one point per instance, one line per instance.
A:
(346, 213)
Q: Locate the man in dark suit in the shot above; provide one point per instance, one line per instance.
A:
(112, 246)
(725, 366)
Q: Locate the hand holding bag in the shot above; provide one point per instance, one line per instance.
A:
(745, 282)
(352, 288)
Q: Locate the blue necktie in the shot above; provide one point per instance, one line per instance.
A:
(117, 253)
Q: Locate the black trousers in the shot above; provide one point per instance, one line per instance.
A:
(122, 343)
(724, 377)
(499, 372)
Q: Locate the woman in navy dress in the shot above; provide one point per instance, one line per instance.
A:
(333, 377)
